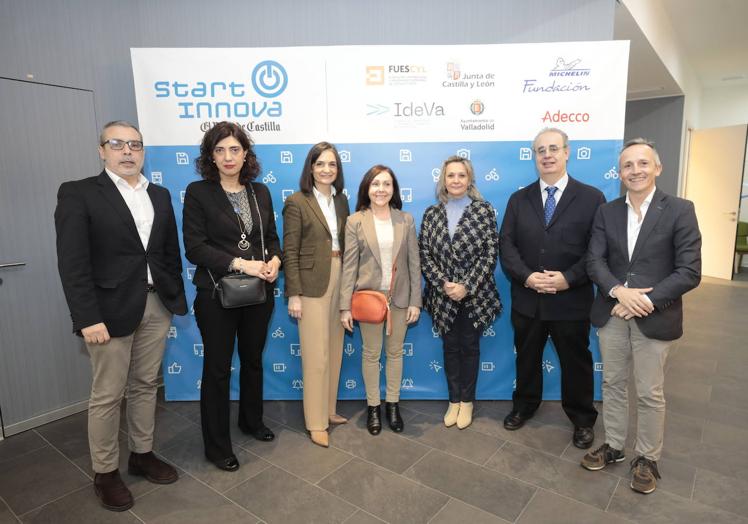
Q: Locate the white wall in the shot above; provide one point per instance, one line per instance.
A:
(656, 26)
(724, 106)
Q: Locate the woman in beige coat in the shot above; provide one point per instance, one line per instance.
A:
(380, 240)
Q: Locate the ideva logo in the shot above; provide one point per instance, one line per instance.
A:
(229, 99)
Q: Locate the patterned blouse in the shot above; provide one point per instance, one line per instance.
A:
(468, 258)
(240, 203)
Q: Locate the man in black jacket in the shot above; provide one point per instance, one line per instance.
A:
(118, 257)
(544, 239)
(644, 255)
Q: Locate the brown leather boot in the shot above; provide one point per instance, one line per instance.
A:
(112, 492)
(152, 468)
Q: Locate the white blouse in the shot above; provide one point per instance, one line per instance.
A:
(386, 239)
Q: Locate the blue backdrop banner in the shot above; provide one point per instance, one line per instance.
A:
(407, 107)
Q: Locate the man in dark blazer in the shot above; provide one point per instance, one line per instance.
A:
(544, 240)
(118, 257)
(644, 254)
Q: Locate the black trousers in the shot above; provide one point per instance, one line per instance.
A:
(462, 357)
(220, 328)
(571, 339)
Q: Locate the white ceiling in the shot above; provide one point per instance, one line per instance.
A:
(711, 33)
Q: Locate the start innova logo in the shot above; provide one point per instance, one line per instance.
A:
(244, 97)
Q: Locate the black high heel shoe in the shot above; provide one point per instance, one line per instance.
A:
(228, 464)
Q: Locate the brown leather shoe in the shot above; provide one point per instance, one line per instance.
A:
(152, 468)
(112, 492)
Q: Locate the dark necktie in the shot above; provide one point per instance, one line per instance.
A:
(550, 204)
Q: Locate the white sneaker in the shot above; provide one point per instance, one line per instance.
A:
(465, 416)
(450, 418)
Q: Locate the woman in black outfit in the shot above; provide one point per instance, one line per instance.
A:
(227, 220)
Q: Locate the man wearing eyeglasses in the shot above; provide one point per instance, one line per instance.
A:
(544, 239)
(119, 262)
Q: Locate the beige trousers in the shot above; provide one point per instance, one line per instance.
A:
(129, 364)
(321, 338)
(623, 347)
(372, 334)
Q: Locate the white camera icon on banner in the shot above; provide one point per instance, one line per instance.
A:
(464, 153)
(584, 153)
(345, 156)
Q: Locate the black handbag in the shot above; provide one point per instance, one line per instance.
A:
(239, 289)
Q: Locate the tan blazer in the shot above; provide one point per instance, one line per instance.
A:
(307, 243)
(362, 265)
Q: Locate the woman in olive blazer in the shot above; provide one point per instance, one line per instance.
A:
(313, 222)
(381, 239)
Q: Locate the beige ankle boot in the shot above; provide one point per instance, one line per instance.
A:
(450, 418)
(465, 416)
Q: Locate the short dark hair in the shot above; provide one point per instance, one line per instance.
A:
(205, 165)
(364, 202)
(306, 181)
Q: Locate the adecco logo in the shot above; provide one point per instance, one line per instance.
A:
(560, 116)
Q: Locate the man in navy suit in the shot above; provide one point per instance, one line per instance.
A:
(118, 257)
(544, 239)
(644, 254)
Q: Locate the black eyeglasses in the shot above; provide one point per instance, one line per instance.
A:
(118, 145)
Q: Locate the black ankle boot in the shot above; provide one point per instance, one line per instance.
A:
(392, 410)
(373, 420)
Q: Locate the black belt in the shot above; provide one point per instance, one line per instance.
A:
(150, 289)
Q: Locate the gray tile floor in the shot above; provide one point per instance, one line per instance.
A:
(429, 473)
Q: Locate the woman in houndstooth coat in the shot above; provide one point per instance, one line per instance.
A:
(459, 247)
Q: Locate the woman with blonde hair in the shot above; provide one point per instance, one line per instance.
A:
(459, 247)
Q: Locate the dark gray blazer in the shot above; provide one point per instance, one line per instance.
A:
(667, 257)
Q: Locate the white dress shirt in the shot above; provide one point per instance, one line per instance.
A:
(560, 188)
(633, 228)
(327, 205)
(140, 206)
(634, 225)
